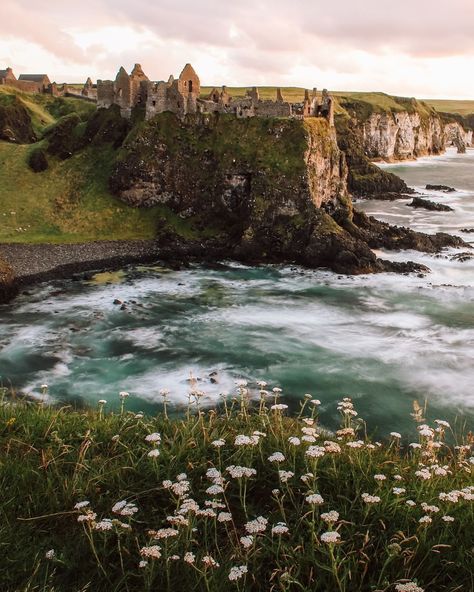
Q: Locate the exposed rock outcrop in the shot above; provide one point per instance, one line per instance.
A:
(402, 135)
(8, 288)
(264, 188)
(427, 204)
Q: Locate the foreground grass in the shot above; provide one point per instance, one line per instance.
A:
(242, 498)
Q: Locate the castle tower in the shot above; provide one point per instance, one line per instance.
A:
(254, 94)
(137, 88)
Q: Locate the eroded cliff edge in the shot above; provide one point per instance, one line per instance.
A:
(256, 189)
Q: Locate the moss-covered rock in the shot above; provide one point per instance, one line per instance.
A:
(63, 138)
(8, 288)
(15, 121)
(37, 160)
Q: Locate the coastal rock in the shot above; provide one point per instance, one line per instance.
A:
(8, 287)
(380, 235)
(419, 202)
(444, 188)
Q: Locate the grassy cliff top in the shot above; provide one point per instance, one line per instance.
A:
(378, 101)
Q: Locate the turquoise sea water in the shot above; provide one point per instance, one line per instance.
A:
(385, 339)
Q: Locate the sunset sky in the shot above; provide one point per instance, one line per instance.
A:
(422, 48)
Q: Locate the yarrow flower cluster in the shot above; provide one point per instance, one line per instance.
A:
(408, 587)
(330, 537)
(237, 572)
(314, 499)
(277, 457)
(370, 499)
(280, 528)
(256, 526)
(237, 472)
(124, 508)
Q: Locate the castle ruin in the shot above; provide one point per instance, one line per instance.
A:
(182, 95)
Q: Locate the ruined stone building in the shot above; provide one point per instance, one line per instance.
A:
(33, 83)
(183, 95)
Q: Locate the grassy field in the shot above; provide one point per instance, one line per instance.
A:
(239, 498)
(451, 106)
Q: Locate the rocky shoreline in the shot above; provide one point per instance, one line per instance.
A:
(33, 263)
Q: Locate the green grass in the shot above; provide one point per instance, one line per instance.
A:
(52, 458)
(452, 106)
(69, 202)
(45, 109)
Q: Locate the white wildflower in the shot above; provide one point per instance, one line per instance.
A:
(237, 572)
(51, 554)
(314, 499)
(246, 541)
(277, 457)
(154, 453)
(447, 518)
(218, 443)
(153, 552)
(330, 537)
(284, 476)
(257, 525)
(237, 472)
(155, 437)
(370, 499)
(189, 557)
(408, 587)
(224, 517)
(315, 452)
(280, 528)
(279, 407)
(425, 520)
(210, 562)
(330, 517)
(81, 505)
(103, 525)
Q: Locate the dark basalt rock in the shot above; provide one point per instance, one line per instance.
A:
(419, 202)
(462, 257)
(380, 235)
(8, 286)
(467, 230)
(391, 195)
(444, 188)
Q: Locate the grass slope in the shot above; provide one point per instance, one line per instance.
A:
(69, 202)
(163, 503)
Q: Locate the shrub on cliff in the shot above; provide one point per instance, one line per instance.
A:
(231, 499)
(62, 138)
(37, 160)
(15, 121)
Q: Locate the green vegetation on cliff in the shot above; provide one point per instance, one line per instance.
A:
(68, 202)
(230, 499)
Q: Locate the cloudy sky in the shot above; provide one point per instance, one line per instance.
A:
(422, 48)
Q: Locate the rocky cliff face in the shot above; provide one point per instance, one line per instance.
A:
(264, 188)
(402, 135)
